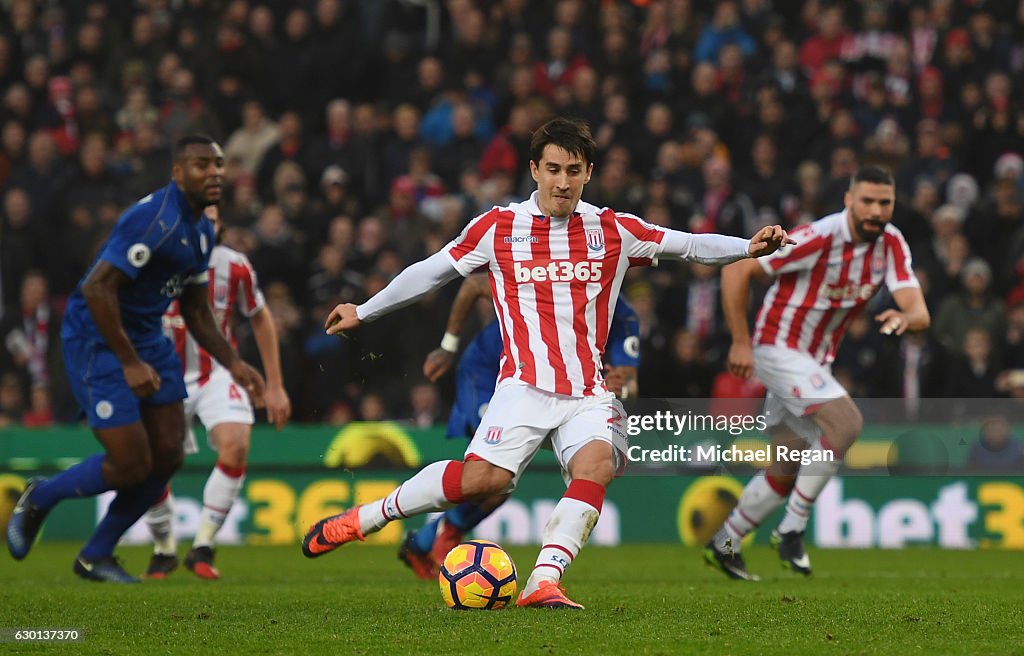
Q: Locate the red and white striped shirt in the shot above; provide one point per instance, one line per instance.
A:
(555, 282)
(232, 283)
(824, 281)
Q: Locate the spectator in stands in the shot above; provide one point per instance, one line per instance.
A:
(997, 451)
(91, 97)
(974, 308)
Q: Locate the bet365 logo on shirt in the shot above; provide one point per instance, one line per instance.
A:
(558, 271)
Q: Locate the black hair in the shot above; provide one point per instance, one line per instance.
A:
(189, 140)
(873, 174)
(572, 135)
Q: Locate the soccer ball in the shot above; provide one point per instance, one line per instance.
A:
(477, 574)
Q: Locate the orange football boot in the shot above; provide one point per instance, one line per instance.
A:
(549, 595)
(331, 532)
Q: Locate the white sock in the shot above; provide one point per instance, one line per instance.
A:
(436, 487)
(759, 499)
(567, 530)
(160, 518)
(221, 490)
(809, 483)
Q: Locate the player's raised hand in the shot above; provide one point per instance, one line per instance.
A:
(279, 406)
(437, 364)
(342, 317)
(141, 378)
(741, 360)
(769, 239)
(251, 380)
(893, 322)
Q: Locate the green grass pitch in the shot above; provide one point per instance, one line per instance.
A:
(640, 600)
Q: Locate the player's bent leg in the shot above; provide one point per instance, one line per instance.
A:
(438, 486)
(591, 469)
(126, 463)
(164, 432)
(232, 442)
(840, 422)
(762, 495)
(130, 449)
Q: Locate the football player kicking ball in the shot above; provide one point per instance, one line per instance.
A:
(820, 285)
(424, 550)
(223, 408)
(556, 265)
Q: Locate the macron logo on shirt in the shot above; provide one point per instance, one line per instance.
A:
(558, 271)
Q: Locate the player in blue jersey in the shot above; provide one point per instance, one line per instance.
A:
(123, 371)
(475, 376)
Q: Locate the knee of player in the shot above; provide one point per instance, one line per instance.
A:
(852, 425)
(133, 472)
(481, 482)
(594, 464)
(169, 460)
(234, 453)
(602, 472)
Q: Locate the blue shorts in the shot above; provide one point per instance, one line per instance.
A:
(473, 391)
(98, 383)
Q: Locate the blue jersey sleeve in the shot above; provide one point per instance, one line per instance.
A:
(137, 235)
(624, 336)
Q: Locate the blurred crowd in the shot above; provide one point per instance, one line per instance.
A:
(361, 135)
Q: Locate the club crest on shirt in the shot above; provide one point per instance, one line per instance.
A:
(493, 435)
(878, 264)
(138, 255)
(595, 240)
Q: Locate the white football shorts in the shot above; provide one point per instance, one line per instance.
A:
(220, 401)
(520, 419)
(797, 385)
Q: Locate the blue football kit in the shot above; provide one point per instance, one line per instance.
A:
(160, 247)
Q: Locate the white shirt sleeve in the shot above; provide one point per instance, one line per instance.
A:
(415, 282)
(648, 242)
(704, 249)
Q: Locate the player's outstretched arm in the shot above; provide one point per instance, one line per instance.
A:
(912, 314)
(440, 360)
(195, 309)
(279, 406)
(100, 292)
(721, 249)
(415, 282)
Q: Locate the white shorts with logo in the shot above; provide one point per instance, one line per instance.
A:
(797, 385)
(219, 401)
(521, 419)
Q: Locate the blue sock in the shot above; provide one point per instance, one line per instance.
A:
(82, 480)
(129, 505)
(423, 539)
(466, 516)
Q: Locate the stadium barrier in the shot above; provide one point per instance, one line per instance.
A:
(882, 499)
